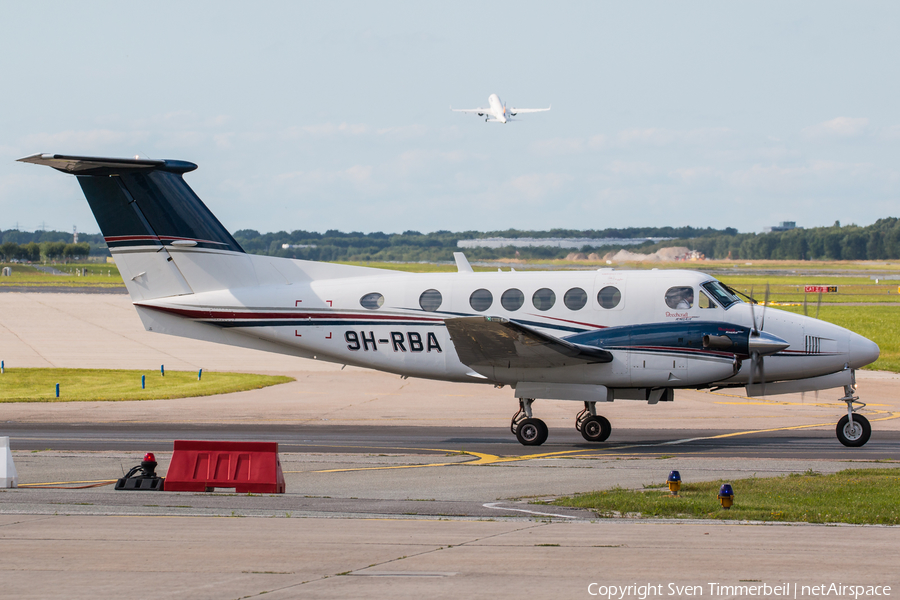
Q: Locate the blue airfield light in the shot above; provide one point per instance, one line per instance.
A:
(674, 481)
(726, 496)
(143, 382)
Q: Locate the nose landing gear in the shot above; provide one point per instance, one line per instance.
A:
(853, 430)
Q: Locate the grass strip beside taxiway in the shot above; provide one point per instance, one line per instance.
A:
(856, 496)
(86, 385)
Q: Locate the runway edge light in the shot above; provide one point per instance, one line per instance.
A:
(142, 477)
(726, 496)
(674, 481)
(8, 476)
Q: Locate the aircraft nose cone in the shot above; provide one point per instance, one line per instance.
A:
(863, 351)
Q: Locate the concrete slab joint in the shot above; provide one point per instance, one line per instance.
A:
(8, 476)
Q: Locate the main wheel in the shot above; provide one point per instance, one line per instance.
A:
(532, 432)
(855, 434)
(595, 429)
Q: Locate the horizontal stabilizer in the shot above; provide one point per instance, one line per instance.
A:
(497, 342)
(94, 165)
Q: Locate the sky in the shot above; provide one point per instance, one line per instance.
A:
(336, 115)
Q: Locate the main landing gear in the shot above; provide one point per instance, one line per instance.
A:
(533, 432)
(528, 430)
(853, 430)
(593, 427)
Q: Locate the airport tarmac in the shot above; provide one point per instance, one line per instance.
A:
(400, 488)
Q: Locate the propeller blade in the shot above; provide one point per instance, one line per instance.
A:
(762, 375)
(805, 312)
(752, 310)
(762, 325)
(818, 305)
(752, 368)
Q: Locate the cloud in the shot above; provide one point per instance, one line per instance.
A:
(423, 161)
(813, 174)
(659, 137)
(83, 141)
(891, 133)
(631, 169)
(325, 130)
(308, 180)
(692, 175)
(841, 127)
(404, 132)
(538, 185)
(558, 146)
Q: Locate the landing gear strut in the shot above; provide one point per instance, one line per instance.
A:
(528, 430)
(853, 430)
(593, 427)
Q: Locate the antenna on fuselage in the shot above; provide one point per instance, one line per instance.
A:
(462, 263)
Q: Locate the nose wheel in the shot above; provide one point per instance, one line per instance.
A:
(853, 433)
(853, 430)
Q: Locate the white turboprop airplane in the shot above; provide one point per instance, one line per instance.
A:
(591, 337)
(497, 111)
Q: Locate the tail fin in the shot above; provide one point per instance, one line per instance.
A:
(151, 219)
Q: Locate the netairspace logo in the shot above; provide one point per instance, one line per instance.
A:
(757, 590)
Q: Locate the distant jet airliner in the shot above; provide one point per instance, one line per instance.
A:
(497, 111)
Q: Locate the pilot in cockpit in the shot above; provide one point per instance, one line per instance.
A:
(680, 297)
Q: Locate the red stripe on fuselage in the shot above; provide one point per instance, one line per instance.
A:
(223, 314)
(568, 321)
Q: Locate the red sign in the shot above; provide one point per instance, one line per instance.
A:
(820, 289)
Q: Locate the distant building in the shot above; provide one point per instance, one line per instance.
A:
(783, 226)
(286, 246)
(554, 242)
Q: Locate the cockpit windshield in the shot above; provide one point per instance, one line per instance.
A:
(720, 293)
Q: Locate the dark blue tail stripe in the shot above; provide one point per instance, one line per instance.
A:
(150, 204)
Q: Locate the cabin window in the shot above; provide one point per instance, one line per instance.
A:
(430, 300)
(372, 301)
(705, 301)
(680, 297)
(575, 299)
(481, 300)
(512, 299)
(543, 299)
(609, 297)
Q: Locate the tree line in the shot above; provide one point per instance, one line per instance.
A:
(34, 252)
(879, 241)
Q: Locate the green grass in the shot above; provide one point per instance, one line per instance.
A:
(39, 385)
(881, 324)
(789, 288)
(99, 275)
(859, 496)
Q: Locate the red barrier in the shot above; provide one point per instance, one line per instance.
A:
(249, 467)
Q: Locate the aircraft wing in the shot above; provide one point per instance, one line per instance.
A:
(480, 111)
(515, 111)
(497, 342)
